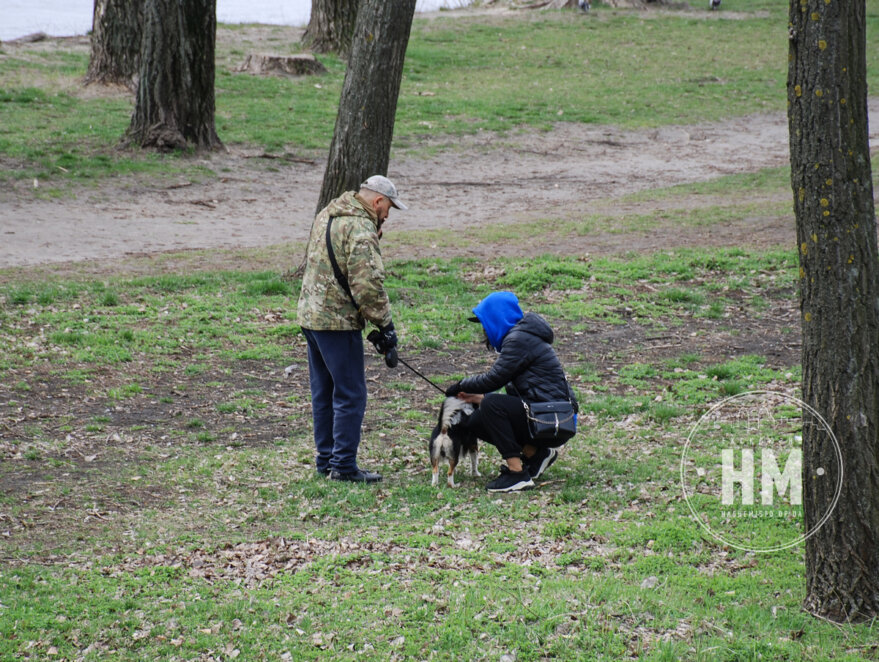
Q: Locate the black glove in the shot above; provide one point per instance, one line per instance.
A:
(453, 390)
(391, 357)
(388, 338)
(375, 337)
(385, 342)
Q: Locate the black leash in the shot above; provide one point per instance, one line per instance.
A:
(375, 338)
(438, 388)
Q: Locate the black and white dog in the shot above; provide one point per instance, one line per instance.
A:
(452, 440)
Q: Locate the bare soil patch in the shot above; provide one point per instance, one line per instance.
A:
(470, 181)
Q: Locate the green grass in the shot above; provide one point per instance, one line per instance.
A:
(158, 495)
(613, 67)
(762, 183)
(610, 68)
(599, 564)
(227, 313)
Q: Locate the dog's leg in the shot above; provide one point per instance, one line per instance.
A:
(435, 466)
(474, 463)
(450, 479)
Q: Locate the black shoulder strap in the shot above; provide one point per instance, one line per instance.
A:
(343, 281)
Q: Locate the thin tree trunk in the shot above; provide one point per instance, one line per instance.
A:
(365, 123)
(331, 26)
(175, 106)
(839, 291)
(117, 26)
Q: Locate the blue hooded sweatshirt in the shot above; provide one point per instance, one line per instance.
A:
(499, 312)
(526, 364)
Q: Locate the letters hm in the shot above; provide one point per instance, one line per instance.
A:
(772, 478)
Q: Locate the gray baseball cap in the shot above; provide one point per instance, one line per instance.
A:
(385, 187)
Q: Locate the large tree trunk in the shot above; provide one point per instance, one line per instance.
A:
(365, 123)
(175, 95)
(836, 235)
(331, 26)
(117, 26)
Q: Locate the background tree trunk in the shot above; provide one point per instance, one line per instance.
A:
(836, 233)
(117, 26)
(175, 106)
(331, 26)
(365, 123)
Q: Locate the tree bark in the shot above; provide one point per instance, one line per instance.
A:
(365, 124)
(117, 26)
(175, 105)
(331, 26)
(839, 291)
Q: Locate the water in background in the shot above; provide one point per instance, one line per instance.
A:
(71, 17)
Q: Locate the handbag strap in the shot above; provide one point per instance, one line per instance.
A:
(343, 280)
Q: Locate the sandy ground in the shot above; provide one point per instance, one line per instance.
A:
(480, 179)
(486, 178)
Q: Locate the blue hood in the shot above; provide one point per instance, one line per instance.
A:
(499, 312)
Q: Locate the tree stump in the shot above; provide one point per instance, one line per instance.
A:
(29, 38)
(642, 4)
(302, 64)
(551, 4)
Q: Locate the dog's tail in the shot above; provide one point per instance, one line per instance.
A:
(453, 411)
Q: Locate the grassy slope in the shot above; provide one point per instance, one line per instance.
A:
(128, 532)
(623, 68)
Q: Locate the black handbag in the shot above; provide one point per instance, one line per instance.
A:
(551, 421)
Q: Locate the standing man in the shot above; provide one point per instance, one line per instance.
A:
(342, 289)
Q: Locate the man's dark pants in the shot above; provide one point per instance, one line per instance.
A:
(338, 396)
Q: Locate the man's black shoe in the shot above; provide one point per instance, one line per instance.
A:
(358, 476)
(323, 472)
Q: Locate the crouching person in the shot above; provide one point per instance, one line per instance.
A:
(534, 379)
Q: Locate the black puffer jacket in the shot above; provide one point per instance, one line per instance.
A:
(527, 365)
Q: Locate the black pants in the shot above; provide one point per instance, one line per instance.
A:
(501, 420)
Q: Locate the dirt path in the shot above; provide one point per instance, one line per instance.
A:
(479, 179)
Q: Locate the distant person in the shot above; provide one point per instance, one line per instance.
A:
(584, 5)
(713, 4)
(342, 289)
(528, 367)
